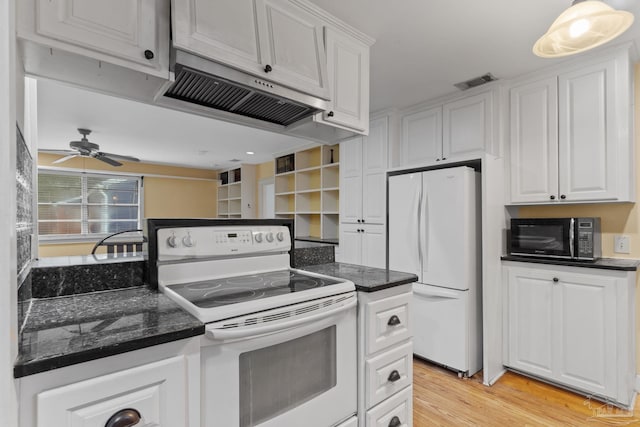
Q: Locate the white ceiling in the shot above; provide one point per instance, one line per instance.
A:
(422, 48)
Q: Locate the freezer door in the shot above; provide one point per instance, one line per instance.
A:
(404, 226)
(450, 226)
(441, 325)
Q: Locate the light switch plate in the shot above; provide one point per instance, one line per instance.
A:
(621, 244)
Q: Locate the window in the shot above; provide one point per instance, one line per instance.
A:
(80, 206)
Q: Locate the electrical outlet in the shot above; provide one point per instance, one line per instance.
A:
(621, 244)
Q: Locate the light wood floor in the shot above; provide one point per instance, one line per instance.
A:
(440, 398)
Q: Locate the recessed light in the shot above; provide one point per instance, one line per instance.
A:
(250, 152)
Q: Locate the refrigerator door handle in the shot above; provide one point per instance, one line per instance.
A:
(431, 293)
(419, 239)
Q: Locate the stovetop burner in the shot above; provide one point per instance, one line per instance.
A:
(231, 290)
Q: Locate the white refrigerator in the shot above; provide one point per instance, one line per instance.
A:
(434, 232)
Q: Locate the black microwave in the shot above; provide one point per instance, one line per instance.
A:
(565, 238)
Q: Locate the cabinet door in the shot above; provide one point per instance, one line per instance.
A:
(224, 30)
(588, 133)
(123, 29)
(348, 73)
(530, 321)
(350, 243)
(422, 137)
(157, 391)
(374, 246)
(534, 142)
(585, 345)
(374, 168)
(292, 44)
(467, 125)
(351, 180)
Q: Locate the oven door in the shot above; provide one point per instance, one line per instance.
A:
(544, 237)
(294, 366)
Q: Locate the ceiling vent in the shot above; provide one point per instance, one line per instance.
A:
(476, 81)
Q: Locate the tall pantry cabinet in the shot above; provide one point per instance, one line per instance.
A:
(364, 162)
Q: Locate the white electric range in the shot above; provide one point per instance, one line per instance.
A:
(280, 343)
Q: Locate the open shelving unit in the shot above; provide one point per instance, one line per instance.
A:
(236, 192)
(307, 190)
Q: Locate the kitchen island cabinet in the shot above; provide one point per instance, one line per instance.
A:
(385, 350)
(572, 326)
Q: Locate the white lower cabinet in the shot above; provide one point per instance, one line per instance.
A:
(363, 244)
(573, 326)
(157, 386)
(385, 358)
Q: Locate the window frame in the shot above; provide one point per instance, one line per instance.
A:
(93, 237)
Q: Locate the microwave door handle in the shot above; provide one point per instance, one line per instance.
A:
(248, 332)
(571, 238)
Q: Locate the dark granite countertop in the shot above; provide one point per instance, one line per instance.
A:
(366, 279)
(603, 263)
(63, 331)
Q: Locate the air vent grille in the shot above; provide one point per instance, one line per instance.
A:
(477, 81)
(203, 89)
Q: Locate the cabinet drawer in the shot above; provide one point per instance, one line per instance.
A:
(397, 406)
(388, 322)
(156, 391)
(388, 373)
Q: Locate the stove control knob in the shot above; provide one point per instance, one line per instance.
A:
(172, 242)
(280, 236)
(269, 237)
(188, 241)
(258, 237)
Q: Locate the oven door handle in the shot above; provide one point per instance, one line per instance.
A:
(242, 332)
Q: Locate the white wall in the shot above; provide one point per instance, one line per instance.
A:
(8, 285)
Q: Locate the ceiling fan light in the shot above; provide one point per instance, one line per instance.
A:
(583, 26)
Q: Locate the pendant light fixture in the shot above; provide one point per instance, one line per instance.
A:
(583, 26)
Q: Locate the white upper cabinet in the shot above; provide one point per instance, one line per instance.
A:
(452, 130)
(588, 133)
(351, 180)
(422, 136)
(230, 37)
(571, 135)
(274, 39)
(534, 141)
(129, 33)
(467, 125)
(348, 72)
(363, 165)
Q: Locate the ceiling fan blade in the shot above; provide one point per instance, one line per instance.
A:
(61, 152)
(120, 157)
(65, 158)
(103, 158)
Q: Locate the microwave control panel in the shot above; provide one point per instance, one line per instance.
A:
(585, 237)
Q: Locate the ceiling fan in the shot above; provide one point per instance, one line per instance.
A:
(84, 148)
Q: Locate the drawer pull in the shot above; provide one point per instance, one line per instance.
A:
(124, 418)
(394, 376)
(393, 321)
(395, 422)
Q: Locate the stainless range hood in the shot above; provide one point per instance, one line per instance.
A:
(215, 86)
